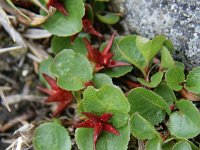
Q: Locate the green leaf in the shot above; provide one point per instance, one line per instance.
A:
(89, 14)
(106, 141)
(108, 18)
(44, 68)
(51, 136)
(149, 48)
(154, 144)
(182, 145)
(60, 43)
(148, 104)
(168, 144)
(193, 81)
(174, 78)
(193, 146)
(71, 69)
(141, 128)
(130, 52)
(179, 65)
(101, 79)
(166, 59)
(104, 16)
(169, 45)
(108, 98)
(117, 72)
(166, 93)
(154, 81)
(186, 122)
(61, 25)
(157, 44)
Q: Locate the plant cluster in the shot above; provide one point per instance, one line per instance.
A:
(157, 106)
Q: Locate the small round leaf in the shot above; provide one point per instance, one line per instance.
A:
(193, 81)
(51, 136)
(186, 122)
(72, 70)
(148, 104)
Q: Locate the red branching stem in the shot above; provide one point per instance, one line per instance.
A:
(88, 27)
(90, 49)
(51, 81)
(104, 59)
(110, 128)
(189, 95)
(133, 84)
(56, 94)
(99, 123)
(106, 116)
(89, 83)
(109, 45)
(117, 64)
(98, 128)
(172, 107)
(72, 38)
(85, 124)
(47, 91)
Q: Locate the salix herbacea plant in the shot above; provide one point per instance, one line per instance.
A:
(157, 106)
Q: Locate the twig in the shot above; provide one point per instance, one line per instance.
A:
(5, 88)
(13, 99)
(34, 33)
(15, 121)
(2, 76)
(4, 100)
(141, 145)
(9, 28)
(8, 49)
(40, 53)
(33, 57)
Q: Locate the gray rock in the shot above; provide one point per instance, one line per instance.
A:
(177, 19)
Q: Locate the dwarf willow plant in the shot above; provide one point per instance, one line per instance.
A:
(157, 107)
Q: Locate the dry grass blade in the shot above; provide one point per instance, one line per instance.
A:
(37, 3)
(4, 100)
(5, 20)
(25, 137)
(35, 19)
(13, 6)
(13, 99)
(37, 51)
(5, 88)
(11, 123)
(34, 33)
(8, 49)
(35, 58)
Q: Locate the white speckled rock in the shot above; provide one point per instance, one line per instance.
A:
(178, 19)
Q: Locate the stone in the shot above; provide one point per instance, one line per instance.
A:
(179, 20)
